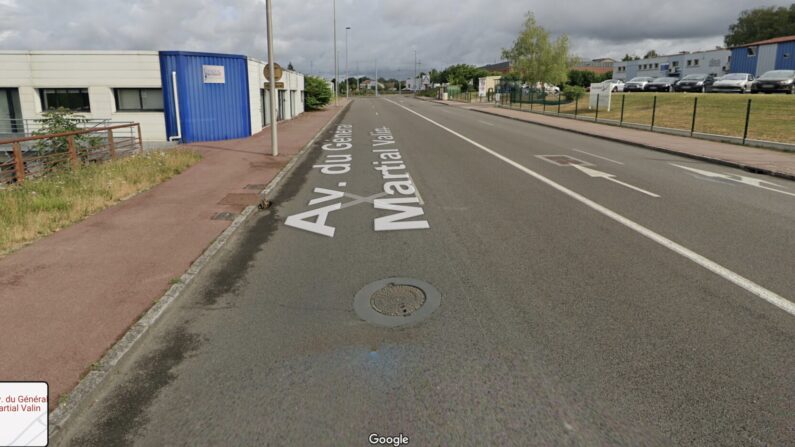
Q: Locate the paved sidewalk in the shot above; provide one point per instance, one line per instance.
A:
(780, 164)
(69, 297)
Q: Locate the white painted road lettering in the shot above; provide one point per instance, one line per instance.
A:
(397, 181)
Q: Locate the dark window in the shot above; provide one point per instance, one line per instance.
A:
(69, 98)
(139, 99)
(751, 51)
(786, 55)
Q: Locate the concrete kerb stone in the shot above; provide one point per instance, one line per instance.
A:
(100, 370)
(719, 161)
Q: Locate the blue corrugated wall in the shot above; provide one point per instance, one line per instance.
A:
(208, 112)
(785, 63)
(741, 63)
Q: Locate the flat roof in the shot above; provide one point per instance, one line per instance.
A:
(781, 39)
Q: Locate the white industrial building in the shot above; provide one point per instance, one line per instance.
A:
(715, 62)
(128, 86)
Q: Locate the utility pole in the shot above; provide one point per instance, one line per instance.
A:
(347, 73)
(336, 65)
(272, 80)
(376, 77)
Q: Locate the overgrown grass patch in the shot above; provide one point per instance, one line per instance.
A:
(39, 207)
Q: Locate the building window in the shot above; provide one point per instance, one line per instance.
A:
(751, 51)
(786, 55)
(656, 65)
(675, 63)
(139, 99)
(695, 62)
(75, 99)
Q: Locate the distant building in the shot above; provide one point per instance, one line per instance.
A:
(758, 57)
(676, 65)
(500, 67)
(599, 66)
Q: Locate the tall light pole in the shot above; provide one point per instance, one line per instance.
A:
(272, 80)
(376, 77)
(347, 73)
(336, 65)
(414, 81)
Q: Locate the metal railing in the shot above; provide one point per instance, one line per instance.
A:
(37, 155)
(25, 127)
(763, 121)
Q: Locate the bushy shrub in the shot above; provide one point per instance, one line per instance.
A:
(318, 93)
(573, 92)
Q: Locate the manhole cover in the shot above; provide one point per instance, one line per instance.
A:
(397, 300)
(394, 302)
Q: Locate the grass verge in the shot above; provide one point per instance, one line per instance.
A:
(717, 113)
(42, 206)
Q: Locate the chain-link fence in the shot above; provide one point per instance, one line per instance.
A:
(740, 118)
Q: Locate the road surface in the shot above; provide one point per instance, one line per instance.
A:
(590, 293)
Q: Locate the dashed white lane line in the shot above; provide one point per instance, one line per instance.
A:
(598, 156)
(737, 279)
(486, 123)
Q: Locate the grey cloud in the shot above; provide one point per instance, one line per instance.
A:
(443, 32)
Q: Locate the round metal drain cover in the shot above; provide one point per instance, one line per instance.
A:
(396, 301)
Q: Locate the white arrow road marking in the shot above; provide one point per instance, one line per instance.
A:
(736, 279)
(750, 181)
(598, 156)
(599, 174)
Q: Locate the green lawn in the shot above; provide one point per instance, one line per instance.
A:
(772, 116)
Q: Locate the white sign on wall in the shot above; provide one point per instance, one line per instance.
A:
(600, 94)
(482, 87)
(213, 74)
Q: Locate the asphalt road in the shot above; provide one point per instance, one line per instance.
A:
(574, 310)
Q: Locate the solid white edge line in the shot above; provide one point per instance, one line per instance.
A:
(598, 156)
(752, 287)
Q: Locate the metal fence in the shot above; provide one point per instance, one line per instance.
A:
(761, 120)
(37, 155)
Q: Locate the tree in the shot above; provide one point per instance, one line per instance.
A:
(630, 58)
(582, 78)
(290, 66)
(651, 53)
(536, 57)
(318, 93)
(760, 24)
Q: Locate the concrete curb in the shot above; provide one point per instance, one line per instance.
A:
(719, 161)
(100, 370)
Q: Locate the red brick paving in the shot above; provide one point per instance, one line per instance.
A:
(65, 299)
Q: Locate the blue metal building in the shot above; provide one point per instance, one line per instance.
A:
(205, 96)
(759, 57)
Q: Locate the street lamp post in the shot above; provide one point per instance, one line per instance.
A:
(271, 80)
(347, 73)
(376, 77)
(336, 65)
(414, 81)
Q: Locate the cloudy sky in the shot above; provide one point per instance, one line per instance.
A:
(443, 32)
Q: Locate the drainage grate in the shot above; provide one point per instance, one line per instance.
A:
(395, 302)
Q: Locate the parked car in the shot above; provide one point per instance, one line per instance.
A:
(637, 84)
(618, 85)
(662, 85)
(775, 81)
(734, 82)
(695, 83)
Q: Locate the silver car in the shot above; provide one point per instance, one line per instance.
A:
(734, 83)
